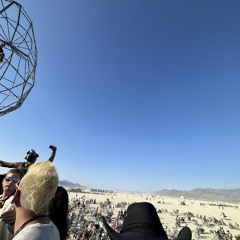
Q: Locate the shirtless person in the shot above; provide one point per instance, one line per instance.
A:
(30, 159)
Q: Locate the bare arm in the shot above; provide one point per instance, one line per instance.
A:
(54, 149)
(10, 164)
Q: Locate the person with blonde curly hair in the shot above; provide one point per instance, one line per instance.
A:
(31, 202)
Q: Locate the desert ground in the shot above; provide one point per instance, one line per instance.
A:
(211, 216)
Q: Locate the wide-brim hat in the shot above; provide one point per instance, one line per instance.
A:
(142, 223)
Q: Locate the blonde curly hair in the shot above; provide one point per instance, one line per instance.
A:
(38, 186)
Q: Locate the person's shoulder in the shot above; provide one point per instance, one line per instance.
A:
(19, 164)
(7, 205)
(38, 231)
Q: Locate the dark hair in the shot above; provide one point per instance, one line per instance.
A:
(58, 209)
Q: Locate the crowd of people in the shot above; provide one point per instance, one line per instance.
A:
(93, 220)
(34, 207)
(85, 223)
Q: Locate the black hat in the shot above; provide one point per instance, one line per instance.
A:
(142, 223)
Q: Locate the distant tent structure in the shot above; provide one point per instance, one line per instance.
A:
(182, 200)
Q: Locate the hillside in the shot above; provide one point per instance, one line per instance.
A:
(65, 183)
(209, 194)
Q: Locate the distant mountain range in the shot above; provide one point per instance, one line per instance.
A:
(209, 194)
(65, 183)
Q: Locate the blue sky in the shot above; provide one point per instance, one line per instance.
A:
(136, 95)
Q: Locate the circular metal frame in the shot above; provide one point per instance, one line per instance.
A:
(18, 56)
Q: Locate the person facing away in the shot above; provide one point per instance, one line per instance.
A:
(31, 202)
(7, 212)
(142, 223)
(58, 211)
(30, 159)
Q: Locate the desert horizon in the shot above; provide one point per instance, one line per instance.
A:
(208, 194)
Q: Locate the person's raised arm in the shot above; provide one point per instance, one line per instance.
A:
(10, 164)
(54, 149)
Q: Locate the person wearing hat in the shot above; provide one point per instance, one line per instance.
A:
(30, 159)
(142, 223)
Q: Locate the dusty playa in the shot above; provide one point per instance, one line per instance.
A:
(204, 214)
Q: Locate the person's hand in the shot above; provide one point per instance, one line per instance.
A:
(53, 148)
(9, 217)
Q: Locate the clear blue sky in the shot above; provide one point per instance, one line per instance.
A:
(136, 95)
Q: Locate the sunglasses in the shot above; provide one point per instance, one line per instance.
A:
(12, 179)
